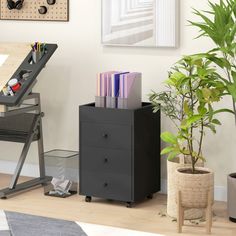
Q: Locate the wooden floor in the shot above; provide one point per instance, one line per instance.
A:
(148, 216)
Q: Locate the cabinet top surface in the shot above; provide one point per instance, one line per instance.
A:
(11, 57)
(92, 105)
(90, 113)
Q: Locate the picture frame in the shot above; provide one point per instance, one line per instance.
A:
(140, 23)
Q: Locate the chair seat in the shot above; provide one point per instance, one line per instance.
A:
(16, 128)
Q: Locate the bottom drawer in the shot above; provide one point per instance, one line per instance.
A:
(108, 186)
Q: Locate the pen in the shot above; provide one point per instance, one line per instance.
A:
(35, 47)
(39, 47)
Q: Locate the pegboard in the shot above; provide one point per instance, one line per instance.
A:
(57, 12)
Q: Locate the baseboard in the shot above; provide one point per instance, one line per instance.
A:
(220, 193)
(29, 170)
(32, 170)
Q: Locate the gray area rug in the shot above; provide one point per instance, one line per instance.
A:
(5, 233)
(29, 225)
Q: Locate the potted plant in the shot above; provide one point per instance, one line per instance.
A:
(219, 24)
(193, 86)
(221, 29)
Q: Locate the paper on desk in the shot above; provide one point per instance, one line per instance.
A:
(3, 58)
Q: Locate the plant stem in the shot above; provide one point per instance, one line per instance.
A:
(182, 108)
(191, 128)
(191, 156)
(234, 108)
(201, 138)
(200, 143)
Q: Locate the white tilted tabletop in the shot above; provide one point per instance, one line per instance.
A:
(11, 57)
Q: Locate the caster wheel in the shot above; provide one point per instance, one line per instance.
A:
(150, 196)
(88, 199)
(3, 198)
(129, 204)
(232, 219)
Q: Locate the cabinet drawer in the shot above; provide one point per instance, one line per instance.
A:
(101, 160)
(108, 186)
(105, 135)
(91, 114)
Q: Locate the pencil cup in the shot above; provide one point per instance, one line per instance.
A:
(36, 56)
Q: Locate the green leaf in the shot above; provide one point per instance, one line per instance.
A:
(216, 122)
(222, 111)
(185, 152)
(186, 108)
(188, 122)
(202, 110)
(167, 150)
(206, 93)
(193, 119)
(211, 127)
(170, 82)
(233, 73)
(177, 76)
(221, 62)
(210, 112)
(215, 95)
(202, 158)
(184, 126)
(168, 138)
(172, 155)
(232, 90)
(199, 95)
(198, 62)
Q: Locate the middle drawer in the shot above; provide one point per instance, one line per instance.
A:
(105, 135)
(100, 160)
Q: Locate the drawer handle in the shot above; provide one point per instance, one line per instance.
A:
(105, 185)
(105, 160)
(105, 135)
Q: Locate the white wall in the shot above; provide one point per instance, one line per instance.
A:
(69, 78)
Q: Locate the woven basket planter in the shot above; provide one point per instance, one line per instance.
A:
(194, 188)
(172, 166)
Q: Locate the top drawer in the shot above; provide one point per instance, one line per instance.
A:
(93, 114)
(105, 135)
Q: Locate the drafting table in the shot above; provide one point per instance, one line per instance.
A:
(20, 115)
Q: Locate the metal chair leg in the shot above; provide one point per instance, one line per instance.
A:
(35, 127)
(41, 151)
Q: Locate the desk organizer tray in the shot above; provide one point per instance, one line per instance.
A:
(27, 66)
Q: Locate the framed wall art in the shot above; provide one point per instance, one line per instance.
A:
(147, 23)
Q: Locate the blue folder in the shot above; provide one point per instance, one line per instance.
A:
(117, 82)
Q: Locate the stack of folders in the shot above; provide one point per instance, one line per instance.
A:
(119, 90)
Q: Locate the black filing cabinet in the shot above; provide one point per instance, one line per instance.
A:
(119, 153)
